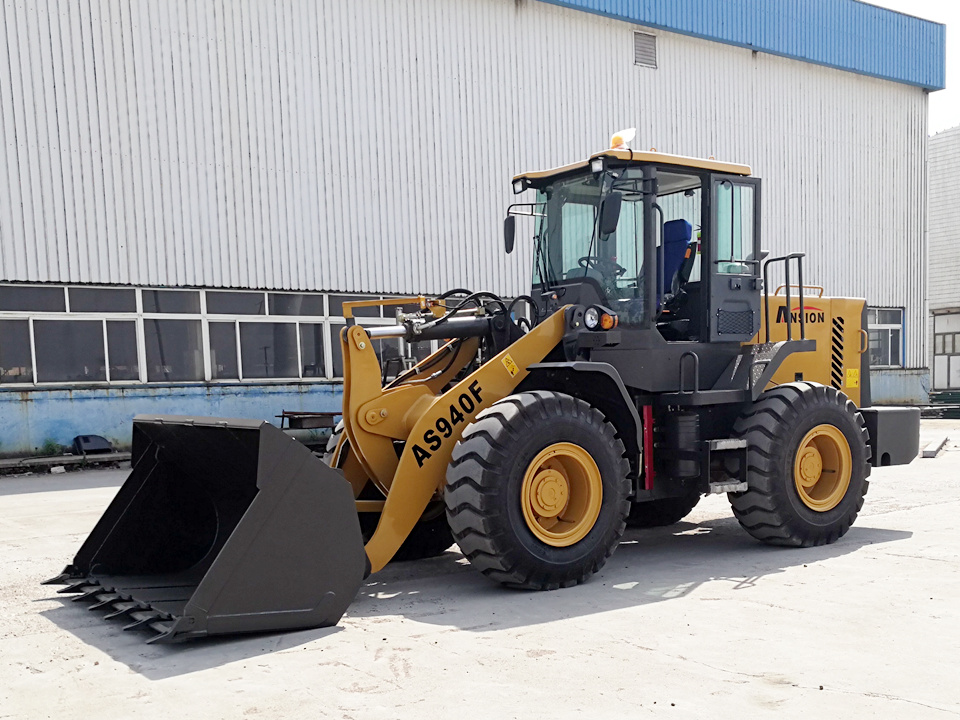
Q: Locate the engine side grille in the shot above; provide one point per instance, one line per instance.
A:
(836, 354)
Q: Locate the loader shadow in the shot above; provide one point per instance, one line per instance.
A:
(652, 565)
(159, 662)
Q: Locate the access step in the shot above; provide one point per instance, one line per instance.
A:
(728, 486)
(733, 484)
(728, 444)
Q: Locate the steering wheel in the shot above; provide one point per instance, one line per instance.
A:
(603, 266)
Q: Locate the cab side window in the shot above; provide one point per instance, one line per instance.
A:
(735, 218)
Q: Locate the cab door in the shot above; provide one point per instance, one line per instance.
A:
(733, 258)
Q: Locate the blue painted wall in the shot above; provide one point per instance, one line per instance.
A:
(900, 386)
(843, 34)
(30, 418)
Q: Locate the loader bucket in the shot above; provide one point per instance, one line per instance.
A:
(223, 526)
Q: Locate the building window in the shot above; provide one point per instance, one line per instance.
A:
(124, 363)
(82, 334)
(946, 351)
(171, 301)
(69, 350)
(223, 351)
(103, 300)
(235, 303)
(296, 304)
(173, 350)
(311, 349)
(885, 329)
(36, 298)
(16, 365)
(268, 350)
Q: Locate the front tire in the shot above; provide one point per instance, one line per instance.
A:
(807, 467)
(537, 491)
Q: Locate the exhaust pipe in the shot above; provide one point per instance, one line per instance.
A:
(223, 526)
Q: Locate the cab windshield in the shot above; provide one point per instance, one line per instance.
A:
(568, 248)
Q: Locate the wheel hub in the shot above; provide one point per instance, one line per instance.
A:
(811, 466)
(561, 494)
(550, 493)
(822, 468)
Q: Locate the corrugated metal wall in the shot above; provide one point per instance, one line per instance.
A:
(943, 219)
(368, 146)
(943, 239)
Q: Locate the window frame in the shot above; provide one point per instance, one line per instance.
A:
(205, 318)
(875, 325)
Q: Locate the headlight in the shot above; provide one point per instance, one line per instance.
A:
(598, 317)
(591, 318)
(596, 165)
(518, 187)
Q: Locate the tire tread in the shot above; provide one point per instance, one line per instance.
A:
(761, 510)
(474, 478)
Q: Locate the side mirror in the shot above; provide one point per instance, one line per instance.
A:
(509, 233)
(610, 213)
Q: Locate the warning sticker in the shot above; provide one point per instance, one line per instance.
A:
(510, 365)
(853, 377)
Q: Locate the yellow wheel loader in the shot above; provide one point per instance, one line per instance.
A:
(653, 362)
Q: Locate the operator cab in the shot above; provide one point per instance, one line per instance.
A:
(666, 242)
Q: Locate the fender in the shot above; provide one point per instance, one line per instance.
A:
(607, 393)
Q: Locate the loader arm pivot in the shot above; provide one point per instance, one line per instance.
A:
(428, 421)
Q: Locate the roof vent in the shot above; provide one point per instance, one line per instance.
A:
(645, 49)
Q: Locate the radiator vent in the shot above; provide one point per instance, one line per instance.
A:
(836, 354)
(645, 49)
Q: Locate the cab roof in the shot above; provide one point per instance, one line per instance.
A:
(635, 157)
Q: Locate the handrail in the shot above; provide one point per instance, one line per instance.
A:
(785, 259)
(806, 287)
(696, 372)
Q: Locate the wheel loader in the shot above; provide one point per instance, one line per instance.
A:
(653, 362)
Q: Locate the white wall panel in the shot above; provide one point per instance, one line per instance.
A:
(943, 219)
(368, 146)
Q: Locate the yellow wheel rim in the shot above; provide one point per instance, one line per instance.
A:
(821, 469)
(561, 494)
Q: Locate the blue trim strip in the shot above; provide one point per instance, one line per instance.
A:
(843, 34)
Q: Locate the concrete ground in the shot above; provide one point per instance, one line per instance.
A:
(693, 621)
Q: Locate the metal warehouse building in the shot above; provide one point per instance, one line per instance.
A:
(944, 237)
(189, 189)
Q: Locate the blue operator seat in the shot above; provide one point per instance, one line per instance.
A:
(676, 238)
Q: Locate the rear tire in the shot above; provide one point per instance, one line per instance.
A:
(663, 512)
(807, 466)
(429, 538)
(537, 491)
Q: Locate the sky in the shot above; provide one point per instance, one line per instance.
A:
(944, 104)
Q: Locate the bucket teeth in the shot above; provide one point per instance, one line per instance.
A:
(142, 618)
(78, 586)
(104, 599)
(163, 629)
(61, 579)
(122, 608)
(93, 591)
